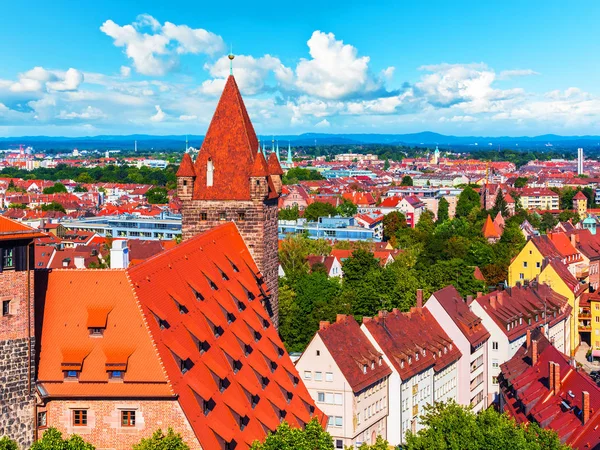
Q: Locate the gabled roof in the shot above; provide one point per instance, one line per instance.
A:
(360, 363)
(274, 166)
(217, 283)
(467, 322)
(231, 144)
(12, 230)
(580, 196)
(563, 244)
(412, 341)
(490, 231)
(545, 246)
(186, 168)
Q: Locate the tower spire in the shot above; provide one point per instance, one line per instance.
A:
(277, 151)
(231, 56)
(289, 156)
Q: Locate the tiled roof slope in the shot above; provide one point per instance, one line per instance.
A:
(412, 341)
(77, 300)
(529, 396)
(230, 143)
(10, 229)
(352, 351)
(468, 322)
(225, 360)
(186, 168)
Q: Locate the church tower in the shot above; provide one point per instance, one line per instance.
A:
(232, 181)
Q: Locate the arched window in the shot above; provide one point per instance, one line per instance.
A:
(209, 172)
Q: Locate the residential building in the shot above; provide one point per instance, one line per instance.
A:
(539, 384)
(527, 265)
(510, 314)
(332, 265)
(538, 199)
(333, 228)
(372, 221)
(471, 337)
(348, 379)
(424, 363)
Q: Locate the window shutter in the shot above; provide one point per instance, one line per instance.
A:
(1, 259)
(21, 258)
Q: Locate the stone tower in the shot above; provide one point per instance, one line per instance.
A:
(17, 332)
(580, 205)
(232, 181)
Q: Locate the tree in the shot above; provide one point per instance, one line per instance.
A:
(392, 223)
(467, 201)
(386, 164)
(443, 210)
(360, 263)
(292, 255)
(58, 188)
(289, 213)
(319, 209)
(454, 427)
(80, 188)
(380, 444)
(500, 205)
(161, 441)
(567, 215)
(17, 206)
(296, 174)
(521, 182)
(52, 440)
(455, 272)
(8, 444)
(157, 195)
(406, 181)
(347, 209)
(53, 206)
(313, 437)
(548, 222)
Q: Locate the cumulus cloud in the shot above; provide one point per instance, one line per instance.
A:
(157, 53)
(159, 116)
(323, 124)
(39, 79)
(71, 81)
(125, 71)
(508, 74)
(89, 113)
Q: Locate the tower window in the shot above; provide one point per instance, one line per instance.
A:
(203, 216)
(128, 418)
(80, 417)
(6, 308)
(8, 261)
(241, 216)
(209, 172)
(222, 216)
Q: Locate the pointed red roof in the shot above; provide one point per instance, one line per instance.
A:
(230, 144)
(259, 168)
(580, 196)
(186, 168)
(274, 166)
(489, 229)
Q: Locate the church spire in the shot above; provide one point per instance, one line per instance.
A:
(231, 56)
(277, 151)
(289, 156)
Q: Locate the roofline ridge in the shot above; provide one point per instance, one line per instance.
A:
(242, 107)
(150, 335)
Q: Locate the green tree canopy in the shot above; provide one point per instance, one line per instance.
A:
(296, 174)
(52, 440)
(406, 181)
(319, 209)
(500, 205)
(347, 209)
(449, 426)
(58, 188)
(161, 441)
(467, 201)
(8, 444)
(157, 195)
(443, 210)
(521, 182)
(392, 223)
(53, 206)
(289, 213)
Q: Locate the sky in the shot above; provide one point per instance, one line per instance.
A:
(496, 68)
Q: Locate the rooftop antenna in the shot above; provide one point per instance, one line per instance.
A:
(231, 56)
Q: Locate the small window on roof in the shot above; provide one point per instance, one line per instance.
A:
(241, 306)
(96, 332)
(223, 384)
(203, 346)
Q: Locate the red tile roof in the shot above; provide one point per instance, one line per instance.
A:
(468, 322)
(580, 196)
(274, 166)
(11, 230)
(412, 341)
(490, 231)
(186, 168)
(360, 363)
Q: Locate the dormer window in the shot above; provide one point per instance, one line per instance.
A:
(96, 332)
(410, 359)
(115, 375)
(372, 365)
(72, 374)
(255, 400)
(185, 365)
(223, 384)
(380, 360)
(237, 365)
(364, 368)
(210, 168)
(203, 346)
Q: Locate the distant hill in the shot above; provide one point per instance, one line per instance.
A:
(426, 138)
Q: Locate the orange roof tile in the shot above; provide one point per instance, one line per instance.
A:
(274, 166)
(10, 230)
(186, 168)
(489, 229)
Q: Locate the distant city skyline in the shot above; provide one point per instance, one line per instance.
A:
(466, 68)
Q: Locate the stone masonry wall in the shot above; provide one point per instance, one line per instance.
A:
(257, 222)
(104, 429)
(16, 399)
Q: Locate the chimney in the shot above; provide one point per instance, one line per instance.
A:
(340, 318)
(528, 339)
(557, 381)
(469, 299)
(479, 294)
(493, 301)
(419, 298)
(501, 298)
(79, 262)
(534, 352)
(550, 375)
(573, 240)
(119, 255)
(585, 406)
(323, 324)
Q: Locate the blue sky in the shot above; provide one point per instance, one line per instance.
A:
(462, 67)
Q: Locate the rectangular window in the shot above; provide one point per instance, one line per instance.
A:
(495, 363)
(9, 261)
(524, 263)
(80, 417)
(71, 374)
(338, 421)
(6, 307)
(494, 346)
(241, 216)
(328, 376)
(494, 380)
(537, 264)
(97, 332)
(222, 216)
(318, 376)
(521, 276)
(307, 375)
(338, 399)
(329, 398)
(339, 443)
(128, 418)
(320, 397)
(203, 216)
(41, 419)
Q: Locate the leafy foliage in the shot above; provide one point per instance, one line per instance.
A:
(296, 174)
(157, 195)
(53, 206)
(467, 201)
(58, 188)
(8, 444)
(449, 426)
(521, 182)
(406, 181)
(347, 209)
(319, 209)
(289, 213)
(52, 440)
(161, 441)
(443, 210)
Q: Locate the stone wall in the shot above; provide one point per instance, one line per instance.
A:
(257, 222)
(16, 401)
(17, 361)
(104, 429)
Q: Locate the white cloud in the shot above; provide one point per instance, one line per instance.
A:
(71, 81)
(508, 74)
(156, 54)
(458, 119)
(88, 113)
(185, 117)
(159, 116)
(335, 71)
(323, 124)
(125, 71)
(39, 79)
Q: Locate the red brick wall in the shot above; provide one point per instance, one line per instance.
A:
(13, 287)
(104, 429)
